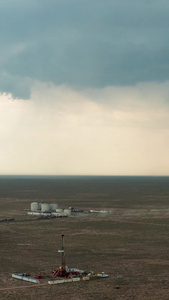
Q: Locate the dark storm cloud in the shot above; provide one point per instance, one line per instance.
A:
(92, 43)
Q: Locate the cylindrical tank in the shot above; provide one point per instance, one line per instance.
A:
(59, 210)
(67, 211)
(45, 207)
(53, 206)
(34, 206)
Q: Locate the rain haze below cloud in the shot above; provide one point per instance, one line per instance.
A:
(64, 131)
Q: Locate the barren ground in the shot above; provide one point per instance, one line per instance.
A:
(131, 244)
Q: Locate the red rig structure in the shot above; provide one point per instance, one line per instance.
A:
(64, 272)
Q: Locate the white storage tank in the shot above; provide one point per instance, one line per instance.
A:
(34, 206)
(45, 207)
(67, 211)
(53, 206)
(59, 210)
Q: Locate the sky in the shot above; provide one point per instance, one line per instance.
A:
(84, 87)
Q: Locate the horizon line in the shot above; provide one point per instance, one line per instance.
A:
(80, 175)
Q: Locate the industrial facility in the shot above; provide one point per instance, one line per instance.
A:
(52, 210)
(47, 209)
(63, 274)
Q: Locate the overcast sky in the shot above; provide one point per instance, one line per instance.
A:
(84, 87)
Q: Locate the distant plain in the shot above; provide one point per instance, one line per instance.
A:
(131, 243)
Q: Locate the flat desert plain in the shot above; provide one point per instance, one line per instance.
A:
(130, 244)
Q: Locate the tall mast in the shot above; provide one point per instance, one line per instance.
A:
(63, 254)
